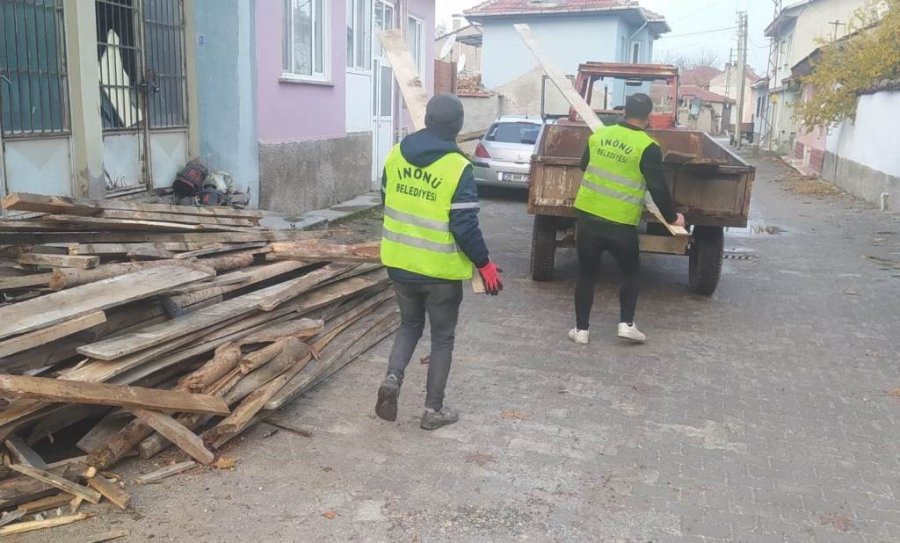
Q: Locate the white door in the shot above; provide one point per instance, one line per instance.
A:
(383, 94)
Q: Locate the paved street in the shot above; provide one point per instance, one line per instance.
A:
(764, 413)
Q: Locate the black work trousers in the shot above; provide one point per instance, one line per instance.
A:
(440, 301)
(594, 237)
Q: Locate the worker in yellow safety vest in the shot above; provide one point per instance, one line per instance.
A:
(431, 243)
(621, 163)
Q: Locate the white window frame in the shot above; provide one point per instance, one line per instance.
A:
(417, 43)
(353, 64)
(287, 62)
(634, 54)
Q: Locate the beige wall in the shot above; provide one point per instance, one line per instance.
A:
(719, 84)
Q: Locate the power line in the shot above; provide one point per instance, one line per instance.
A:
(713, 31)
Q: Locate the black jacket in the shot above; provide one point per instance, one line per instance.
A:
(652, 169)
(423, 149)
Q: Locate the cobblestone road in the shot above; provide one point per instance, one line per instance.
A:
(765, 413)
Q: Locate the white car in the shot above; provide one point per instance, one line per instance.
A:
(503, 156)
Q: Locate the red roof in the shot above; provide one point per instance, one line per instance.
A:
(700, 76)
(693, 91)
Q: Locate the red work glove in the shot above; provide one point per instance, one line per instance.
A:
(490, 275)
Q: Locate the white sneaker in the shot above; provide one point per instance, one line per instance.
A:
(580, 337)
(631, 333)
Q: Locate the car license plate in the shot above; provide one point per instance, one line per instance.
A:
(514, 177)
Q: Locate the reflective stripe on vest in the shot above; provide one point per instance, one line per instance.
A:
(613, 186)
(416, 236)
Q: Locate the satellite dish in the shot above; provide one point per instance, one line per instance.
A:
(461, 65)
(448, 47)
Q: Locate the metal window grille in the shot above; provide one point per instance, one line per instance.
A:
(33, 79)
(140, 50)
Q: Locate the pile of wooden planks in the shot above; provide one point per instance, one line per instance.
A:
(119, 337)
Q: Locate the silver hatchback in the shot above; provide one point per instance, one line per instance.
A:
(503, 156)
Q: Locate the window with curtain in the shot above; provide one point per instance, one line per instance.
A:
(33, 79)
(415, 37)
(359, 34)
(306, 50)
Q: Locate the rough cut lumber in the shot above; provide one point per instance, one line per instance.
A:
(312, 250)
(110, 491)
(59, 482)
(183, 438)
(59, 390)
(59, 261)
(411, 85)
(293, 288)
(262, 356)
(150, 253)
(299, 328)
(167, 471)
(224, 249)
(294, 354)
(69, 304)
(174, 217)
(44, 504)
(21, 201)
(103, 431)
(11, 516)
(25, 281)
(255, 275)
(89, 223)
(23, 453)
(129, 248)
(583, 109)
(67, 278)
(51, 333)
(65, 238)
(226, 358)
(30, 526)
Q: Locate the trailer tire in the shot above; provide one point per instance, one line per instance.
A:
(543, 247)
(707, 252)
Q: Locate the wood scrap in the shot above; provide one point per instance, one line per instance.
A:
(174, 218)
(162, 473)
(11, 516)
(176, 433)
(59, 261)
(20, 201)
(45, 389)
(59, 482)
(30, 526)
(291, 289)
(226, 359)
(312, 250)
(43, 336)
(23, 453)
(299, 328)
(110, 491)
(68, 304)
(25, 281)
(44, 504)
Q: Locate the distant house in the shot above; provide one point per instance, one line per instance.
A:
(298, 94)
(796, 32)
(466, 46)
(699, 76)
(569, 32)
(727, 84)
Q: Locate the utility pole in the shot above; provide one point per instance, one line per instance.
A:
(768, 120)
(742, 74)
(725, 121)
(836, 23)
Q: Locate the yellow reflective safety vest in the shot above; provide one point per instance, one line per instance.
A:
(613, 187)
(416, 235)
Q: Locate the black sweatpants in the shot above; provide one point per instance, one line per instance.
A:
(440, 301)
(594, 237)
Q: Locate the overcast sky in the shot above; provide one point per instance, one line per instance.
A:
(696, 25)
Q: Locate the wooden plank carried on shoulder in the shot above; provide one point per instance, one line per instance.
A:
(68, 304)
(59, 261)
(411, 85)
(59, 390)
(43, 336)
(59, 482)
(562, 83)
(183, 438)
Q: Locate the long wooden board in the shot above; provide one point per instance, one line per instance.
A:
(59, 261)
(174, 217)
(177, 434)
(21, 201)
(314, 250)
(411, 85)
(162, 473)
(52, 333)
(562, 83)
(75, 302)
(59, 390)
(59, 482)
(32, 525)
(25, 281)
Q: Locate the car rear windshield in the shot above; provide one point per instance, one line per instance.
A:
(521, 132)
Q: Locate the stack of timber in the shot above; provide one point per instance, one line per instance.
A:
(132, 329)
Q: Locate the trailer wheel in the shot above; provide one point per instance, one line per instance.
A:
(707, 252)
(543, 248)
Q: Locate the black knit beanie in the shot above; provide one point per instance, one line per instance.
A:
(444, 116)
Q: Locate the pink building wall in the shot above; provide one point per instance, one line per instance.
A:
(295, 111)
(809, 147)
